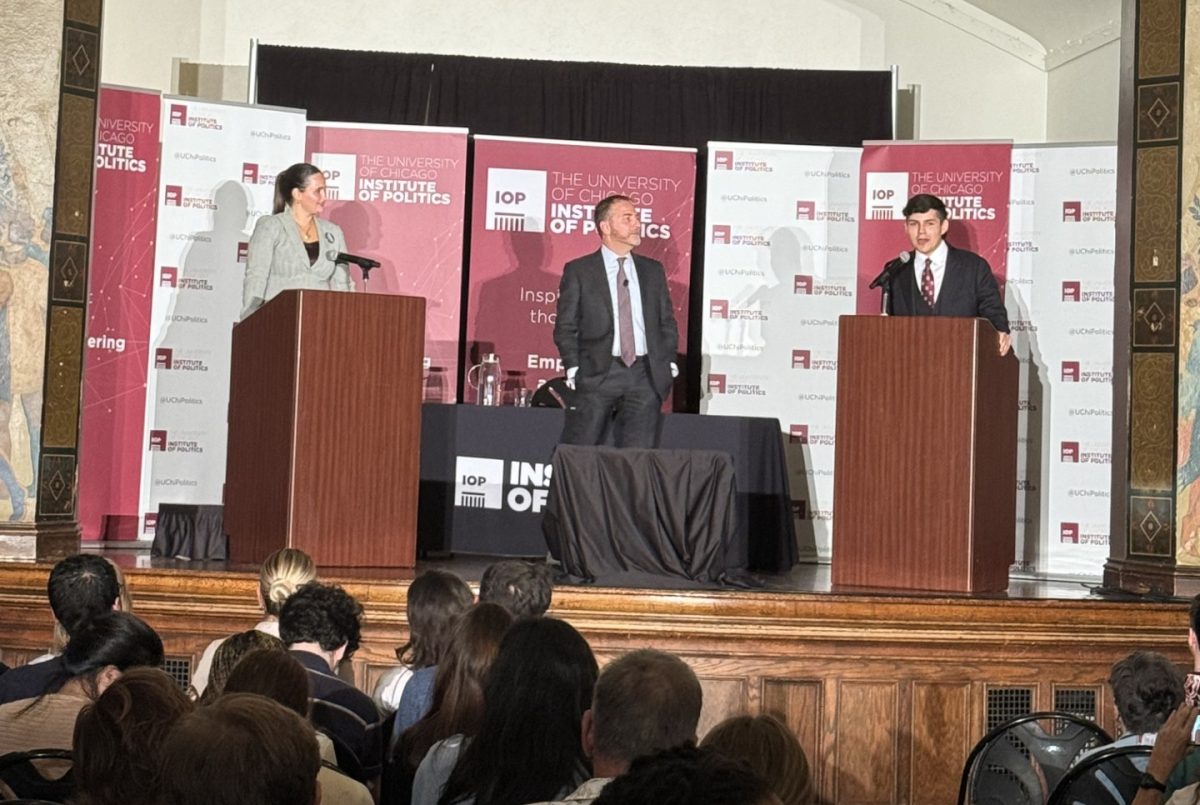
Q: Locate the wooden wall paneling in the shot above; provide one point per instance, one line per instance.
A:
(800, 704)
(940, 739)
(866, 756)
(723, 697)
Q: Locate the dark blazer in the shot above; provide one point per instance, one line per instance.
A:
(968, 289)
(584, 326)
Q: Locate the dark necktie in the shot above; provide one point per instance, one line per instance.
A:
(624, 315)
(927, 282)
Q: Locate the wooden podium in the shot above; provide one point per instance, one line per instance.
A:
(925, 468)
(325, 429)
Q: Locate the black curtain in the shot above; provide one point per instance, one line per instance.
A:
(618, 103)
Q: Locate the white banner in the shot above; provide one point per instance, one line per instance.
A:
(779, 269)
(219, 163)
(1060, 305)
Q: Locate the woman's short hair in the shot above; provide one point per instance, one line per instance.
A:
(243, 749)
(282, 574)
(295, 177)
(275, 674)
(1147, 687)
(436, 600)
(119, 737)
(769, 748)
(230, 653)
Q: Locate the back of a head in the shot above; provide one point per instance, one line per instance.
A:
(457, 706)
(1147, 687)
(523, 588)
(119, 639)
(686, 775)
(119, 737)
(243, 749)
(80, 588)
(324, 614)
(436, 600)
(528, 747)
(275, 674)
(230, 653)
(283, 572)
(769, 748)
(645, 701)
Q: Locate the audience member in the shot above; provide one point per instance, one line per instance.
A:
(523, 588)
(243, 749)
(281, 574)
(94, 659)
(280, 677)
(1172, 742)
(60, 639)
(457, 697)
(1146, 688)
(686, 775)
(80, 587)
(436, 600)
(321, 625)
(229, 653)
(645, 701)
(528, 748)
(119, 738)
(768, 747)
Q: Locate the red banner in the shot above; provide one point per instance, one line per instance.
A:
(971, 178)
(397, 192)
(120, 283)
(533, 203)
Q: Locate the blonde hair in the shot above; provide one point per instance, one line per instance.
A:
(282, 574)
(769, 748)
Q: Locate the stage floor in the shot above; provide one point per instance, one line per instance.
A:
(812, 579)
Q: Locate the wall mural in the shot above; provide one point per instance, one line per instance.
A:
(30, 44)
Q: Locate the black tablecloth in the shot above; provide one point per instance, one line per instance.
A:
(625, 516)
(485, 475)
(190, 532)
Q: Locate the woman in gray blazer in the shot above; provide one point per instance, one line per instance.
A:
(294, 248)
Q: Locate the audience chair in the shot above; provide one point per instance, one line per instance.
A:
(19, 775)
(1108, 777)
(1020, 762)
(347, 761)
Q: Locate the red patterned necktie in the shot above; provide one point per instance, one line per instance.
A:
(927, 282)
(625, 315)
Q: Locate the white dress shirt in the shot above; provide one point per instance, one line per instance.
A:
(937, 266)
(635, 301)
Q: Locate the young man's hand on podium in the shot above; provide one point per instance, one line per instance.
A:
(1005, 342)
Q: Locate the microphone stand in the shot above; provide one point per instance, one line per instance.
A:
(886, 297)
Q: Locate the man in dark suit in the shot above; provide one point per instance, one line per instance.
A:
(941, 280)
(616, 333)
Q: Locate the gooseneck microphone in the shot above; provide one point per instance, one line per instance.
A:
(891, 270)
(366, 263)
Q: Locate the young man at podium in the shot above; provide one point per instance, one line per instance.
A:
(940, 280)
